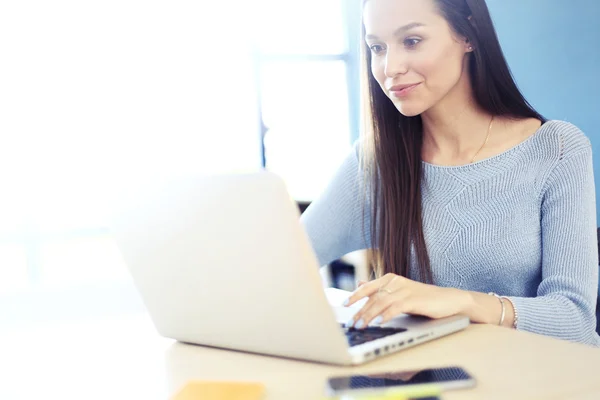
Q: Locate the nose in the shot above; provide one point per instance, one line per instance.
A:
(396, 63)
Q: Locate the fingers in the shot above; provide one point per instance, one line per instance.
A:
(376, 308)
(365, 290)
(369, 288)
(400, 295)
(360, 283)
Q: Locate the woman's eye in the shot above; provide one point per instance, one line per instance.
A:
(376, 48)
(411, 42)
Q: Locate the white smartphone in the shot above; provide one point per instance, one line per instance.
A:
(445, 378)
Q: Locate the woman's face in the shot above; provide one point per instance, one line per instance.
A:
(415, 56)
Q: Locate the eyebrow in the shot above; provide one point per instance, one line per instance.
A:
(400, 30)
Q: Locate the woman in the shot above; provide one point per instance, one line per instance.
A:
(474, 203)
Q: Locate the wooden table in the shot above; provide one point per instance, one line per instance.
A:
(123, 358)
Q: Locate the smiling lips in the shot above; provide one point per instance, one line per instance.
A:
(402, 90)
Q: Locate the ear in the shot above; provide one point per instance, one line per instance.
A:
(468, 46)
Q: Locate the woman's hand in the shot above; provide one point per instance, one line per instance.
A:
(392, 295)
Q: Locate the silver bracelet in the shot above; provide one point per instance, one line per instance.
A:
(503, 307)
(515, 310)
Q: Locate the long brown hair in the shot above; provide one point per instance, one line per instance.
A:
(391, 156)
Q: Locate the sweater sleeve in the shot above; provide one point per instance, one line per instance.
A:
(333, 221)
(566, 297)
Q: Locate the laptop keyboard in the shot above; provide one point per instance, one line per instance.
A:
(360, 336)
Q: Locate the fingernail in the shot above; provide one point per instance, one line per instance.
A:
(359, 324)
(378, 320)
(349, 323)
(346, 302)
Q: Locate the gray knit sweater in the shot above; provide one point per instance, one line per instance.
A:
(521, 224)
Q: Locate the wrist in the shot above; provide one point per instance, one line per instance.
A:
(481, 308)
(511, 314)
(467, 305)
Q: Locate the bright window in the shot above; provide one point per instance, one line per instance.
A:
(95, 95)
(308, 64)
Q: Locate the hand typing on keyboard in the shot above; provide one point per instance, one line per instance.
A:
(392, 295)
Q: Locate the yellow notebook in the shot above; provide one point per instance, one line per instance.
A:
(220, 391)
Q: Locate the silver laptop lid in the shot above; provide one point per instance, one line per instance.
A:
(223, 261)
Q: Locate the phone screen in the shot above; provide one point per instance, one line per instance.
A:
(451, 377)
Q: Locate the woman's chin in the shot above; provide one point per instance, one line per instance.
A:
(409, 110)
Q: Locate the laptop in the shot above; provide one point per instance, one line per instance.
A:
(223, 261)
